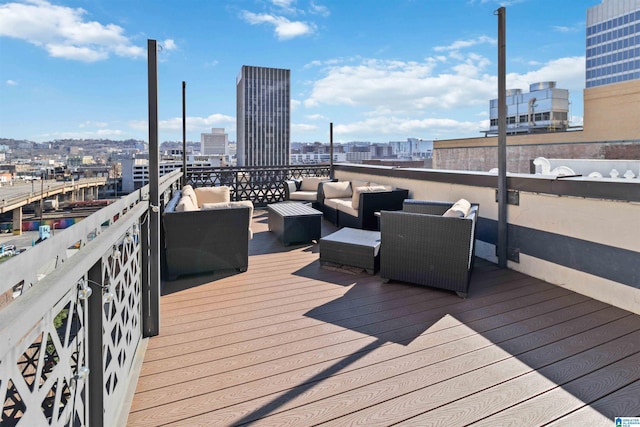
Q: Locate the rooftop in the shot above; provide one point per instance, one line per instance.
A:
(292, 343)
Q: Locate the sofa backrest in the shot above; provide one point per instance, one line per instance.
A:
(310, 183)
(221, 194)
(337, 190)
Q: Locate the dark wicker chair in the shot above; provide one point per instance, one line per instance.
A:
(419, 245)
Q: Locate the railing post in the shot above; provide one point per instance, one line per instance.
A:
(502, 141)
(151, 286)
(331, 150)
(95, 346)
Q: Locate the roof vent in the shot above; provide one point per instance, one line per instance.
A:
(541, 86)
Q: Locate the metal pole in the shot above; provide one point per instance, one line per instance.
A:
(331, 150)
(151, 290)
(41, 200)
(95, 345)
(502, 141)
(184, 134)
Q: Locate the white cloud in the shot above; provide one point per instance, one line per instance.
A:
(402, 86)
(169, 44)
(194, 124)
(63, 31)
(316, 117)
(390, 126)
(317, 9)
(568, 73)
(462, 44)
(284, 4)
(302, 128)
(11, 83)
(88, 124)
(284, 28)
(96, 134)
(576, 120)
(376, 98)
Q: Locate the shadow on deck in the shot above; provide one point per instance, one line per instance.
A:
(292, 343)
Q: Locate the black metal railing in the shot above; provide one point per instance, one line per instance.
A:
(259, 184)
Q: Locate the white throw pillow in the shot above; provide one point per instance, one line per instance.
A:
(212, 195)
(187, 190)
(459, 209)
(335, 190)
(185, 205)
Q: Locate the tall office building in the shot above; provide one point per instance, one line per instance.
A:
(613, 42)
(263, 116)
(216, 142)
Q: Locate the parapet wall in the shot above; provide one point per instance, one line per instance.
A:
(577, 233)
(519, 156)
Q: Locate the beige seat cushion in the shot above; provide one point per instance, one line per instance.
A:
(310, 183)
(310, 196)
(344, 205)
(355, 200)
(185, 204)
(212, 195)
(460, 209)
(333, 203)
(187, 190)
(337, 190)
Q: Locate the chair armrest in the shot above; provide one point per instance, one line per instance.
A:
(430, 207)
(290, 186)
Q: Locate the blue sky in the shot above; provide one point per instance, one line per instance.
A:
(380, 70)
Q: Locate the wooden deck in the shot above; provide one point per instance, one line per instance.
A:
(291, 343)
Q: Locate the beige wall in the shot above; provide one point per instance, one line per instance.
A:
(611, 131)
(606, 222)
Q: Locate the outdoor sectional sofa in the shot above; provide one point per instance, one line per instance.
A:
(205, 232)
(354, 203)
(304, 189)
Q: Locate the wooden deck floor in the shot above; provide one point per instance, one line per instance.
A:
(291, 343)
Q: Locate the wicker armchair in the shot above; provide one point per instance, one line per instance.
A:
(419, 245)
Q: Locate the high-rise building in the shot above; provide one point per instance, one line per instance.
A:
(263, 116)
(613, 42)
(216, 142)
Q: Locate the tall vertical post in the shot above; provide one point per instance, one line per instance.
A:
(151, 290)
(94, 348)
(331, 150)
(502, 141)
(184, 133)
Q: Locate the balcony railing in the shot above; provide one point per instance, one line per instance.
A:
(261, 185)
(72, 317)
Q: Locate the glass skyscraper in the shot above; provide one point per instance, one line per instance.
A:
(613, 42)
(263, 116)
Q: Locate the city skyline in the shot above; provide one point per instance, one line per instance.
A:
(381, 71)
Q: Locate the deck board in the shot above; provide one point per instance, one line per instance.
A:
(292, 343)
